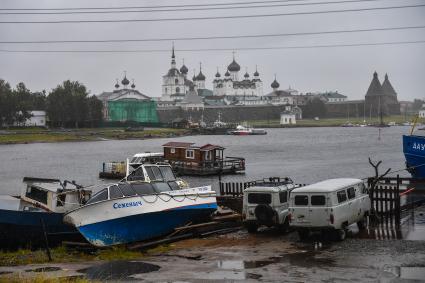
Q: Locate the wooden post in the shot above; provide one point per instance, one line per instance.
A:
(381, 204)
(387, 213)
(46, 240)
(392, 197)
(397, 203)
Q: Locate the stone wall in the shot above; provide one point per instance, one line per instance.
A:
(229, 114)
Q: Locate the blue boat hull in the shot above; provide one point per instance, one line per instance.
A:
(24, 229)
(144, 226)
(414, 152)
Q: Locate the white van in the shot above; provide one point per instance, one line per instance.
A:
(331, 205)
(266, 203)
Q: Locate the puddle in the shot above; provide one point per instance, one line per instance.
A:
(303, 259)
(116, 270)
(227, 275)
(44, 269)
(413, 273)
(240, 264)
(408, 272)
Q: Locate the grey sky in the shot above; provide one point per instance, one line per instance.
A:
(348, 70)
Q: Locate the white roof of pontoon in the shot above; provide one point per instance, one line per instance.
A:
(148, 154)
(328, 185)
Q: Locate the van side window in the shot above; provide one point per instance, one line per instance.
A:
(301, 200)
(342, 196)
(318, 200)
(283, 197)
(351, 193)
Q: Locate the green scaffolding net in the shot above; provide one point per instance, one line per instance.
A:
(133, 110)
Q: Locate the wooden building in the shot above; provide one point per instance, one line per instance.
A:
(189, 159)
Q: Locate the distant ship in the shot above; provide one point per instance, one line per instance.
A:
(245, 130)
(414, 152)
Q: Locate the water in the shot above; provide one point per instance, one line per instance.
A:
(304, 154)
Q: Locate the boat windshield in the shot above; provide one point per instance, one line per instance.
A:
(154, 173)
(99, 196)
(167, 173)
(161, 187)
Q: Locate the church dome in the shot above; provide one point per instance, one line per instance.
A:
(217, 75)
(246, 76)
(275, 84)
(256, 74)
(234, 67)
(184, 70)
(227, 74)
(125, 81)
(200, 76)
(116, 84)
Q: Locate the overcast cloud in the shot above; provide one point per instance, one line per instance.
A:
(348, 70)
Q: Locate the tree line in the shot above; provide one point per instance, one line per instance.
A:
(67, 105)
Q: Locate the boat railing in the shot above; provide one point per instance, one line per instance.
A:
(227, 162)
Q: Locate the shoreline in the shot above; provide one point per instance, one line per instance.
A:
(12, 137)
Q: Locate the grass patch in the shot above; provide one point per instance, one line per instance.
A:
(334, 122)
(89, 134)
(40, 278)
(62, 254)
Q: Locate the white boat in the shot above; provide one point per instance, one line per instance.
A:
(42, 202)
(143, 158)
(245, 130)
(148, 205)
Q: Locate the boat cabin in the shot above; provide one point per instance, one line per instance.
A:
(52, 194)
(143, 158)
(191, 153)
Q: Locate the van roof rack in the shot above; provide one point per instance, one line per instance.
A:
(271, 181)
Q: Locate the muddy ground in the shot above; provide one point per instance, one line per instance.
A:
(268, 256)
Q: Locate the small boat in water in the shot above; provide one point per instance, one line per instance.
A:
(42, 202)
(414, 152)
(147, 205)
(245, 131)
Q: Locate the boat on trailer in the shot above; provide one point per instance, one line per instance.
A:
(42, 202)
(148, 204)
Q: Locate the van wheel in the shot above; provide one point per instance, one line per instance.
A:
(362, 224)
(340, 234)
(251, 227)
(303, 234)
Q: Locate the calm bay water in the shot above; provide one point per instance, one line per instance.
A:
(304, 154)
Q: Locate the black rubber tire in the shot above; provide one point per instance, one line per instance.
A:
(303, 234)
(362, 224)
(341, 234)
(251, 227)
(285, 226)
(264, 214)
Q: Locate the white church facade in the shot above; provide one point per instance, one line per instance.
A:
(232, 85)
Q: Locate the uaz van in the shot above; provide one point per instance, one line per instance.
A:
(329, 206)
(266, 203)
